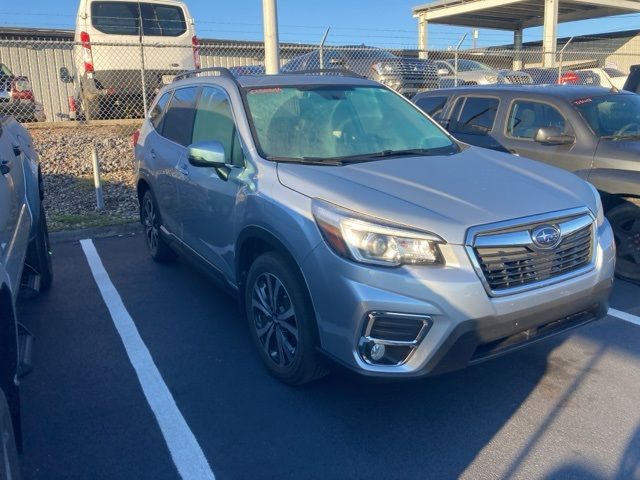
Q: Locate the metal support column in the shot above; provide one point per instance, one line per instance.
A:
(517, 49)
(271, 43)
(550, 33)
(423, 37)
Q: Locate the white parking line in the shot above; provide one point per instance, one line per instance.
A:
(627, 317)
(183, 446)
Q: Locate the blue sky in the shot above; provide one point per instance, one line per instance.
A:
(375, 22)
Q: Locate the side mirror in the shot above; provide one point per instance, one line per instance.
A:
(65, 76)
(553, 136)
(443, 71)
(209, 155)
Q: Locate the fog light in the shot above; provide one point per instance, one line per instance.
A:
(377, 352)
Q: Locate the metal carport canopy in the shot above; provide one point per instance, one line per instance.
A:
(517, 14)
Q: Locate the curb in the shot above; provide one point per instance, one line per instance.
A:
(97, 232)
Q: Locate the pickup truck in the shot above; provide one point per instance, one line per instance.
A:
(25, 266)
(593, 132)
(17, 98)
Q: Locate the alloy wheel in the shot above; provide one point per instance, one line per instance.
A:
(150, 224)
(274, 319)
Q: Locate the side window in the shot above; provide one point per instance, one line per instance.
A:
(156, 115)
(477, 116)
(527, 117)
(432, 106)
(178, 120)
(214, 122)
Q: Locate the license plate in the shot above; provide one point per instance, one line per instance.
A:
(167, 79)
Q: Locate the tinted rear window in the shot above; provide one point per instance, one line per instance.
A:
(432, 106)
(123, 18)
(477, 116)
(178, 119)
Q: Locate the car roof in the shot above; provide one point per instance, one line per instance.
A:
(564, 92)
(287, 79)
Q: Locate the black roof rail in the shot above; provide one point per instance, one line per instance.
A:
(325, 71)
(224, 72)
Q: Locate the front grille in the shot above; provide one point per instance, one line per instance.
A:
(506, 266)
(519, 79)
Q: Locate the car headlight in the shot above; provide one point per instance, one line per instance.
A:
(367, 240)
(383, 68)
(599, 213)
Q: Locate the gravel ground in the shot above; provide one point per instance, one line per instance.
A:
(65, 158)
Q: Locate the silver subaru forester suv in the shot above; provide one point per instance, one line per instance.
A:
(351, 226)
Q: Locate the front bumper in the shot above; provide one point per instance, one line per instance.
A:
(467, 325)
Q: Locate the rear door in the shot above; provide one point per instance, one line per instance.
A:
(116, 35)
(473, 119)
(15, 218)
(168, 155)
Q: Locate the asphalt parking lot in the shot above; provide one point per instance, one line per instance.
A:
(565, 408)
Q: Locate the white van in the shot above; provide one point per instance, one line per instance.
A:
(117, 40)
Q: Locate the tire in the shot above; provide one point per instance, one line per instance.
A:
(625, 222)
(40, 253)
(286, 341)
(159, 249)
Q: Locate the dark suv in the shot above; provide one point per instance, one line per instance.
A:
(591, 131)
(405, 75)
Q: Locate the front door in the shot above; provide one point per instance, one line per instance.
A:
(209, 204)
(525, 118)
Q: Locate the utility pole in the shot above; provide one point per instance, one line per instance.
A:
(271, 44)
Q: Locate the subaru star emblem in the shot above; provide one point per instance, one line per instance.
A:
(546, 236)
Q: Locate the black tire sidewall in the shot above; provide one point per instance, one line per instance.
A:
(163, 252)
(624, 269)
(305, 361)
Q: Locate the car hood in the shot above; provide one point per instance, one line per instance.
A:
(444, 195)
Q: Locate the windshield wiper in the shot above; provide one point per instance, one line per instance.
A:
(634, 136)
(390, 153)
(309, 160)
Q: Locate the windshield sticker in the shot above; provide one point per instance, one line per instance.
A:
(265, 90)
(582, 101)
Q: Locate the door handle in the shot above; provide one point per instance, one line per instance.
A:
(17, 150)
(5, 167)
(183, 169)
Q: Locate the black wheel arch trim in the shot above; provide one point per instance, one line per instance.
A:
(257, 232)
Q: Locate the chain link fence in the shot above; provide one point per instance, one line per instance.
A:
(62, 80)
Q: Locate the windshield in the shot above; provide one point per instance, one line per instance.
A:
(615, 116)
(324, 123)
(4, 71)
(614, 72)
(470, 65)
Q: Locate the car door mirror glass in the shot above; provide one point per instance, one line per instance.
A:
(553, 136)
(206, 154)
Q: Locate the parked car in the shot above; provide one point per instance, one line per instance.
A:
(476, 73)
(25, 263)
(550, 76)
(608, 76)
(16, 96)
(110, 54)
(632, 83)
(9, 463)
(350, 224)
(591, 131)
(407, 76)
